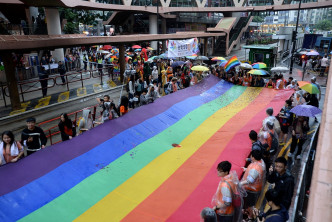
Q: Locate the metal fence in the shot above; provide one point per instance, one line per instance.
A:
(300, 201)
(34, 85)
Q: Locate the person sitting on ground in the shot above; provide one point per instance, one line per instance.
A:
(283, 181)
(66, 127)
(86, 122)
(33, 137)
(152, 95)
(253, 180)
(277, 212)
(208, 215)
(10, 150)
(285, 118)
(143, 99)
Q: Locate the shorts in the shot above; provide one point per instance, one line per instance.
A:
(284, 129)
(251, 199)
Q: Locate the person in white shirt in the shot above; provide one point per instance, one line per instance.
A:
(323, 64)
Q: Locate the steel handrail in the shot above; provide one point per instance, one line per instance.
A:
(50, 134)
(20, 84)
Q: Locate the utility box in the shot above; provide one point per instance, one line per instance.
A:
(262, 53)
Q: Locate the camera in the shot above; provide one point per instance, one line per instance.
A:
(101, 100)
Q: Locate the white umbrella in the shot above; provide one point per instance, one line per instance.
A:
(103, 52)
(245, 66)
(313, 53)
(204, 58)
(108, 55)
(280, 69)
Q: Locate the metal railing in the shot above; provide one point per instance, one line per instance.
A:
(52, 131)
(304, 180)
(26, 87)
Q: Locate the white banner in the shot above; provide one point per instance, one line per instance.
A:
(180, 48)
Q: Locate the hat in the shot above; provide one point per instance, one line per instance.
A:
(174, 79)
(313, 78)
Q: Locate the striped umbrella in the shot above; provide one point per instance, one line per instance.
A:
(218, 59)
(258, 72)
(310, 88)
(259, 65)
(223, 63)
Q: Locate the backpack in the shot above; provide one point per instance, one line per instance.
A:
(274, 145)
(236, 197)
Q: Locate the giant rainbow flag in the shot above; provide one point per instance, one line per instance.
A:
(128, 170)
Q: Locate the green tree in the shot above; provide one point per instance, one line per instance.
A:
(258, 19)
(74, 17)
(325, 25)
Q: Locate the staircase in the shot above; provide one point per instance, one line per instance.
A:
(225, 44)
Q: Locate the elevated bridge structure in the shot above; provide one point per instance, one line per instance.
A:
(167, 6)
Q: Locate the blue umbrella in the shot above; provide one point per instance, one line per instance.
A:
(177, 63)
(306, 110)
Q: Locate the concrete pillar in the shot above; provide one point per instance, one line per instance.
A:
(11, 80)
(54, 28)
(212, 44)
(205, 46)
(153, 29)
(122, 61)
(164, 31)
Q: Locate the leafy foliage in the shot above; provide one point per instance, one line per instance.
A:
(258, 19)
(74, 17)
(325, 25)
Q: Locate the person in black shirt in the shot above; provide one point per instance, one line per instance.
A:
(33, 137)
(283, 180)
(66, 127)
(43, 80)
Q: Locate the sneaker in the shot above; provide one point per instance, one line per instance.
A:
(298, 157)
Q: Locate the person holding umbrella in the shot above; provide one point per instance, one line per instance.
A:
(301, 127)
(299, 135)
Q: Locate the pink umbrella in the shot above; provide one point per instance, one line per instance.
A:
(136, 47)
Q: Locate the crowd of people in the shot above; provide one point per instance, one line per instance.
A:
(264, 165)
(146, 82)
